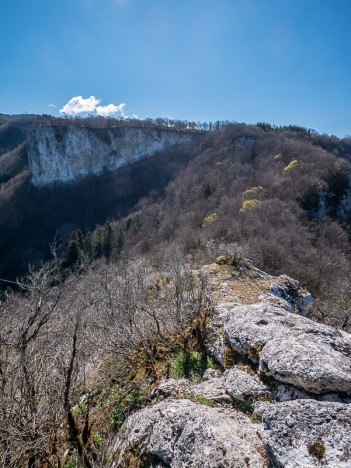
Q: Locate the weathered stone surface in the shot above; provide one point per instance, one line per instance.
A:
(179, 433)
(307, 433)
(259, 407)
(286, 392)
(213, 389)
(290, 291)
(170, 388)
(211, 373)
(217, 350)
(242, 386)
(291, 348)
(65, 153)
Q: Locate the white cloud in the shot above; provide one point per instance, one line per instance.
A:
(110, 109)
(52, 105)
(91, 105)
(79, 105)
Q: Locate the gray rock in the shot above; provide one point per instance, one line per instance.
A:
(276, 301)
(308, 433)
(212, 389)
(290, 290)
(285, 392)
(259, 407)
(179, 433)
(242, 386)
(211, 373)
(66, 153)
(170, 388)
(291, 348)
(217, 350)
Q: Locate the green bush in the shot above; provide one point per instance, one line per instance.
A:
(190, 364)
(125, 403)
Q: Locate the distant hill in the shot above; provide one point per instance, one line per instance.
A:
(282, 194)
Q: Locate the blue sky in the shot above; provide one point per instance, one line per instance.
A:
(279, 61)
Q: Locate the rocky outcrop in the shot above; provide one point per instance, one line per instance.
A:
(212, 389)
(170, 388)
(291, 348)
(280, 370)
(67, 153)
(180, 433)
(242, 386)
(307, 433)
(288, 294)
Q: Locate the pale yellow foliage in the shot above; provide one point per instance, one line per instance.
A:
(249, 205)
(253, 191)
(209, 219)
(292, 164)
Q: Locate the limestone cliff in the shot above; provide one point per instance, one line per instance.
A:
(67, 153)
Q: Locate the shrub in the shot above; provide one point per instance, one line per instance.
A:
(249, 205)
(187, 364)
(209, 219)
(292, 164)
(125, 403)
(256, 191)
(317, 449)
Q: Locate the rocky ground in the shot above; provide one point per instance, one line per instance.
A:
(280, 396)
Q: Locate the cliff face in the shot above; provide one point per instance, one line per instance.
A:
(66, 153)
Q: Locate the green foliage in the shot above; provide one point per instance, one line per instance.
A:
(79, 409)
(244, 406)
(255, 418)
(71, 461)
(98, 245)
(74, 255)
(88, 245)
(97, 440)
(187, 364)
(264, 125)
(109, 241)
(124, 404)
(199, 399)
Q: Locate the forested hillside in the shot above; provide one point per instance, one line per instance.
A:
(138, 297)
(281, 195)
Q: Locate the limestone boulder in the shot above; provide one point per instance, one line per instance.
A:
(212, 389)
(308, 433)
(291, 348)
(243, 386)
(180, 433)
(170, 388)
(290, 291)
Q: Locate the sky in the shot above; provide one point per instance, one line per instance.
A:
(277, 61)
